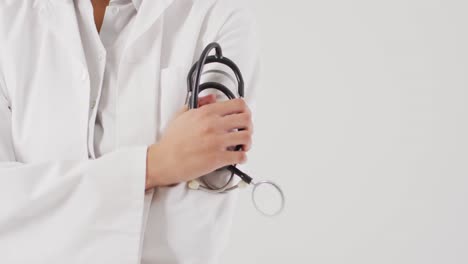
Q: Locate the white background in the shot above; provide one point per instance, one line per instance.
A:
(363, 118)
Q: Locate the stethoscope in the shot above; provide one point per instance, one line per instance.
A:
(194, 88)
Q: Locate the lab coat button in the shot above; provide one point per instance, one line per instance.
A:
(115, 10)
(102, 57)
(92, 105)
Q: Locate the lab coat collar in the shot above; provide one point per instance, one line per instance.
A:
(136, 3)
(62, 19)
(149, 12)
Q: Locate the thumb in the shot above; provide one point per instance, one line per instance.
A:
(208, 99)
(205, 100)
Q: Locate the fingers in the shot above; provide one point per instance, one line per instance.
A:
(237, 121)
(234, 157)
(235, 106)
(208, 99)
(205, 100)
(243, 138)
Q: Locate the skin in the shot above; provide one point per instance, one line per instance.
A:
(99, 11)
(197, 141)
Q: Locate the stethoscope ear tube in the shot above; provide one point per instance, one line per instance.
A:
(246, 178)
(194, 87)
(219, 87)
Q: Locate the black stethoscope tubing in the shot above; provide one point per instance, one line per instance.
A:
(194, 88)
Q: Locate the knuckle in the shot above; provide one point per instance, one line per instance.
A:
(246, 118)
(249, 141)
(208, 128)
(248, 112)
(204, 112)
(246, 137)
(241, 103)
(247, 147)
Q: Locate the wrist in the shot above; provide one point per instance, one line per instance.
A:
(155, 164)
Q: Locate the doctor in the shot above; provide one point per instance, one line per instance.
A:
(94, 147)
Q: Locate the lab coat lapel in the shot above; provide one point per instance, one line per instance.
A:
(60, 17)
(148, 13)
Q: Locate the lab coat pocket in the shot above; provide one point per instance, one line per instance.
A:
(173, 90)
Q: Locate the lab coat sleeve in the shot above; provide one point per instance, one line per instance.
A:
(69, 211)
(238, 38)
(189, 226)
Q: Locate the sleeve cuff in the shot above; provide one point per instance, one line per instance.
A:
(122, 176)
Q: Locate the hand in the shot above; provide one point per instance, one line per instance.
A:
(196, 142)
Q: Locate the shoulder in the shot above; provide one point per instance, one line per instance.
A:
(18, 22)
(220, 13)
(219, 8)
(225, 7)
(7, 6)
(16, 13)
(207, 18)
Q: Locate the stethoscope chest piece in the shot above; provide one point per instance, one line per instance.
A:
(268, 198)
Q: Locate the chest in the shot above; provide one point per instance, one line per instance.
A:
(53, 101)
(99, 8)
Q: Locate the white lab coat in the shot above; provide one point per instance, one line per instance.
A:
(59, 203)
